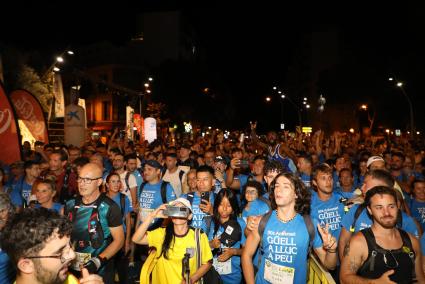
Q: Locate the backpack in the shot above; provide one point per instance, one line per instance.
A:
(262, 226)
(407, 247)
(94, 226)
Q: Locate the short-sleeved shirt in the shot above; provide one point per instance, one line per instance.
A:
(198, 214)
(131, 183)
(286, 245)
(109, 216)
(170, 270)
(126, 210)
(328, 212)
(418, 211)
(150, 198)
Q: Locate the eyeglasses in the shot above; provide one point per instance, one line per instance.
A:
(251, 192)
(61, 256)
(87, 180)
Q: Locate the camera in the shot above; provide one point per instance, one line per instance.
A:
(175, 211)
(243, 163)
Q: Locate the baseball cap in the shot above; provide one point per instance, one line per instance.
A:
(153, 163)
(183, 201)
(232, 233)
(374, 159)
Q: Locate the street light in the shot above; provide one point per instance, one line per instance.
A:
(412, 122)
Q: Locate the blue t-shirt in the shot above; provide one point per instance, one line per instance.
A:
(418, 211)
(150, 198)
(364, 221)
(235, 275)
(55, 207)
(198, 214)
(21, 191)
(306, 179)
(286, 244)
(328, 212)
(7, 272)
(127, 208)
(339, 191)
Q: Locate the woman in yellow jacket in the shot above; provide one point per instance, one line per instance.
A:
(172, 243)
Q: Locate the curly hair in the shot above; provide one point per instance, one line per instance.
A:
(26, 233)
(6, 204)
(302, 203)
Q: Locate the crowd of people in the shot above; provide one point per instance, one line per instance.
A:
(213, 209)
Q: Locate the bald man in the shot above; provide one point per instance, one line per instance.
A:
(97, 225)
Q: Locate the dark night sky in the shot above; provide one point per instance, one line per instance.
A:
(249, 47)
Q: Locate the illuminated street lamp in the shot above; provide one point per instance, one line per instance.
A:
(412, 122)
(268, 99)
(363, 107)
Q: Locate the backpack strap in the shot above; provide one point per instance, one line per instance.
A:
(181, 174)
(127, 176)
(72, 214)
(198, 250)
(142, 186)
(164, 191)
(64, 193)
(311, 231)
(261, 228)
(408, 248)
(122, 203)
(359, 211)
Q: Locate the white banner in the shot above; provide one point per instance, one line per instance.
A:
(150, 129)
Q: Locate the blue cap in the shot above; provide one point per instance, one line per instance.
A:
(153, 163)
(257, 208)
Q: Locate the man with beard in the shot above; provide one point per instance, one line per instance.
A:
(382, 252)
(38, 243)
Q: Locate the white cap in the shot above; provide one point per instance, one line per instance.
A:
(183, 201)
(374, 159)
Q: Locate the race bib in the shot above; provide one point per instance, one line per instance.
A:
(275, 273)
(144, 213)
(80, 258)
(223, 268)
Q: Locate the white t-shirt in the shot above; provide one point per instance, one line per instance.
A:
(174, 179)
(131, 183)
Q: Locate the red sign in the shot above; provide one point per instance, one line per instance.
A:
(29, 110)
(10, 150)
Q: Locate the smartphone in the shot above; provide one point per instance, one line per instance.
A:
(205, 196)
(175, 211)
(397, 132)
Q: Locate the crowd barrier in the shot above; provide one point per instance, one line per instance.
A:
(317, 273)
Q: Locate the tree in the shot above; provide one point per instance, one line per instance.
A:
(29, 80)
